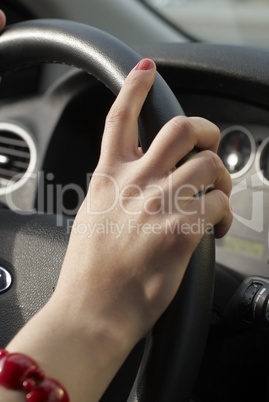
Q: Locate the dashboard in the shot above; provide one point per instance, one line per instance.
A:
(243, 149)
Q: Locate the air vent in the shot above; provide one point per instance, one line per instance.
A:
(17, 156)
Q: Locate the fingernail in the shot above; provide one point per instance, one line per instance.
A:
(144, 64)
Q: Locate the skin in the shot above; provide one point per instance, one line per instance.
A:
(108, 299)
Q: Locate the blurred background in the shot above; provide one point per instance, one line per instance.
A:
(223, 21)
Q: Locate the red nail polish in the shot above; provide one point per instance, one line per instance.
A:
(144, 64)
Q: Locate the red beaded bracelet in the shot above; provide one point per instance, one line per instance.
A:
(21, 373)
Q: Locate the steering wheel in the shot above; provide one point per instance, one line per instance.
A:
(32, 247)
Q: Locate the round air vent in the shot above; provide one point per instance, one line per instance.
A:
(17, 156)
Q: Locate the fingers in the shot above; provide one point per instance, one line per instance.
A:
(178, 137)
(202, 187)
(210, 211)
(198, 192)
(204, 171)
(120, 138)
(203, 175)
(2, 20)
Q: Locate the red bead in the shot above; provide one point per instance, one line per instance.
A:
(15, 368)
(28, 385)
(3, 353)
(48, 390)
(21, 373)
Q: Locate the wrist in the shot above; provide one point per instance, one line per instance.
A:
(101, 308)
(105, 331)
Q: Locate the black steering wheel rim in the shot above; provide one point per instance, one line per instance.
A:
(173, 351)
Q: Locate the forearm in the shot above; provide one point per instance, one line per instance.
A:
(84, 361)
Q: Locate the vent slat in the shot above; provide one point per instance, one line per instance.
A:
(13, 141)
(21, 165)
(14, 152)
(9, 173)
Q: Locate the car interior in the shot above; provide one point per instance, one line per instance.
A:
(62, 64)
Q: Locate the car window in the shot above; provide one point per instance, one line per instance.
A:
(224, 21)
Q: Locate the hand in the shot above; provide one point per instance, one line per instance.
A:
(131, 243)
(141, 221)
(146, 219)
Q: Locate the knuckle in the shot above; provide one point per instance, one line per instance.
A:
(210, 126)
(228, 181)
(221, 175)
(140, 82)
(223, 202)
(116, 114)
(213, 161)
(99, 182)
(216, 131)
(215, 134)
(183, 124)
(153, 206)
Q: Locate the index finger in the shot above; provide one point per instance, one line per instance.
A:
(120, 138)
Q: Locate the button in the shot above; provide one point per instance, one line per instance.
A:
(5, 280)
(247, 301)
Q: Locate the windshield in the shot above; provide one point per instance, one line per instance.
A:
(221, 21)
